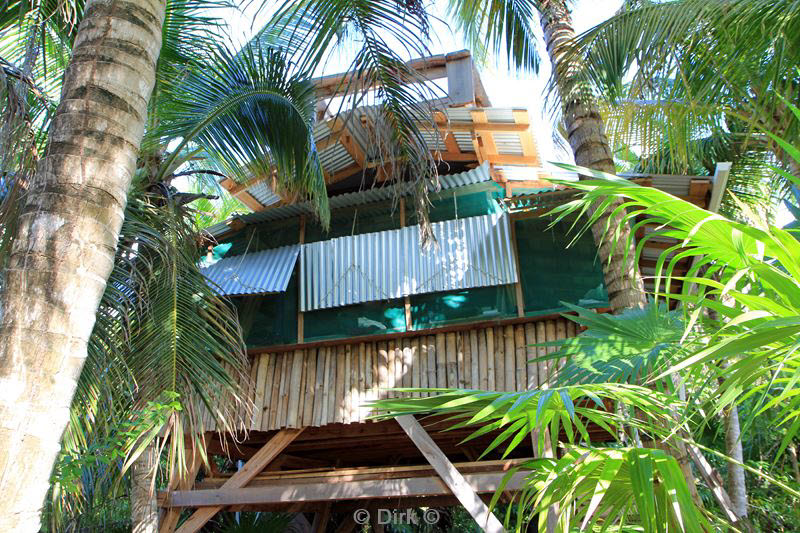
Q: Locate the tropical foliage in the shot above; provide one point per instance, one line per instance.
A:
(732, 341)
(693, 82)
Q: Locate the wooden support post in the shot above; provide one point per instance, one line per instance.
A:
(406, 299)
(452, 477)
(170, 517)
(251, 469)
(518, 294)
(300, 318)
(321, 519)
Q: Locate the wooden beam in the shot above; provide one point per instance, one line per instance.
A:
(470, 126)
(291, 490)
(448, 138)
(525, 137)
(507, 159)
(345, 172)
(279, 348)
(427, 68)
(480, 120)
(452, 477)
(251, 469)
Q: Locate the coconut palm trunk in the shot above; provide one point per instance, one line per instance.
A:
(144, 507)
(65, 240)
(587, 138)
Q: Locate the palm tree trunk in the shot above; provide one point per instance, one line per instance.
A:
(144, 508)
(64, 244)
(586, 136)
(737, 489)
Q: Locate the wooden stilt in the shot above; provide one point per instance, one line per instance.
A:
(169, 518)
(251, 469)
(452, 477)
(321, 519)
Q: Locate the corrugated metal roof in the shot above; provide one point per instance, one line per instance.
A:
(469, 252)
(253, 273)
(474, 177)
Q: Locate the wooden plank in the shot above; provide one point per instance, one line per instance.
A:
(350, 375)
(295, 389)
(541, 351)
(510, 353)
(407, 376)
(441, 361)
(530, 354)
(274, 403)
(507, 159)
(415, 366)
(460, 83)
(491, 357)
(251, 468)
(499, 359)
(487, 139)
(310, 388)
(464, 359)
(341, 370)
(324, 411)
(423, 364)
(483, 364)
(319, 388)
(430, 341)
(451, 360)
(550, 335)
(522, 365)
(391, 371)
(474, 381)
(372, 374)
(361, 396)
(383, 369)
(453, 478)
(398, 365)
(483, 482)
(332, 405)
(478, 128)
(262, 363)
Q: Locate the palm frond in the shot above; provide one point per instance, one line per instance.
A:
(252, 116)
(748, 275)
(382, 35)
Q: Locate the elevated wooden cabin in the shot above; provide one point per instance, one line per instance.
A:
(334, 319)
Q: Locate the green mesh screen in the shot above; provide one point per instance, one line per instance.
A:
(482, 303)
(265, 236)
(552, 272)
(270, 319)
(372, 318)
(449, 207)
(355, 221)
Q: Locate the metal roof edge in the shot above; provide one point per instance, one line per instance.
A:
(468, 181)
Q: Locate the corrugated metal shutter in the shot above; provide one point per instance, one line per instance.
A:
(254, 273)
(470, 252)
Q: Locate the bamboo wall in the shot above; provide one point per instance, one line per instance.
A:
(330, 384)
